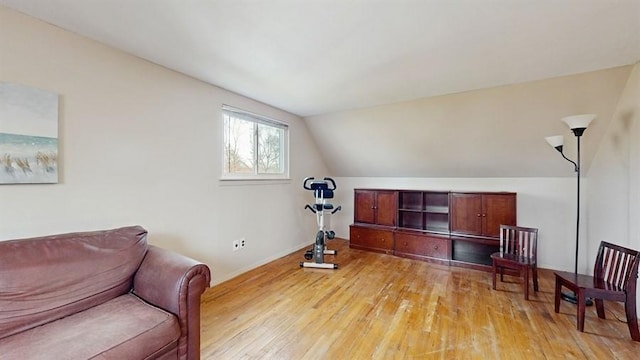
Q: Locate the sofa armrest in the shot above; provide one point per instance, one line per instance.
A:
(174, 283)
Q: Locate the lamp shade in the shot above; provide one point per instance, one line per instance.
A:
(579, 121)
(555, 141)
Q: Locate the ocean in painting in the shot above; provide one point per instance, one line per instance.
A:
(28, 159)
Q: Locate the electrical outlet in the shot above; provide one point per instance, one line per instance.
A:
(236, 245)
(242, 242)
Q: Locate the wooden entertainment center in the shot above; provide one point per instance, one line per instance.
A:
(445, 227)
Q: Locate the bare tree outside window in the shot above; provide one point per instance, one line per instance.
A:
(269, 146)
(253, 147)
(238, 156)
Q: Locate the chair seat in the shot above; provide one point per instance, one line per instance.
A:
(580, 281)
(513, 259)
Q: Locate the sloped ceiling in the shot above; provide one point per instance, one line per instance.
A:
(446, 88)
(313, 57)
(495, 132)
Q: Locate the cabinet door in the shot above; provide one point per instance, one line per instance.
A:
(364, 211)
(466, 213)
(498, 209)
(386, 208)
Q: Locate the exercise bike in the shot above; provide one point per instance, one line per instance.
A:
(322, 191)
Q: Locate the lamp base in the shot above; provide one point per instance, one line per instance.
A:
(572, 298)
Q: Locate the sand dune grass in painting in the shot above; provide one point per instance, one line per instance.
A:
(28, 159)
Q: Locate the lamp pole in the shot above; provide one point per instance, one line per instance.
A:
(575, 265)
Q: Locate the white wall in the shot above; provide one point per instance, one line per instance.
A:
(614, 177)
(140, 144)
(545, 203)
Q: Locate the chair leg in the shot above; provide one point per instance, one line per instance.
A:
(632, 318)
(582, 304)
(495, 268)
(525, 283)
(535, 277)
(556, 304)
(600, 308)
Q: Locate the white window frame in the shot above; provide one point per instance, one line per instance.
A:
(261, 120)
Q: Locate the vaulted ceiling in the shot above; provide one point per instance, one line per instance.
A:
(459, 88)
(313, 57)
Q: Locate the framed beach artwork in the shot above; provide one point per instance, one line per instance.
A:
(28, 135)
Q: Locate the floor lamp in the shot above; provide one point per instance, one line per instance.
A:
(578, 124)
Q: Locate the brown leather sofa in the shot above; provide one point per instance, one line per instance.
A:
(101, 294)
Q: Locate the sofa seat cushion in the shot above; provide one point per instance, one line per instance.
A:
(122, 328)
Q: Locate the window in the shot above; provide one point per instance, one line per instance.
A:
(255, 147)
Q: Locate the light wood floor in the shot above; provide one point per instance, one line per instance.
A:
(379, 306)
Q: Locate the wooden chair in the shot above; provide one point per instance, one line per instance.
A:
(518, 251)
(614, 278)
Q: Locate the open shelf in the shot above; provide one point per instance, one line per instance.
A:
(437, 209)
(470, 251)
(438, 222)
(410, 201)
(423, 210)
(437, 201)
(410, 219)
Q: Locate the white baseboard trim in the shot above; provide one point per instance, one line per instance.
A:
(259, 263)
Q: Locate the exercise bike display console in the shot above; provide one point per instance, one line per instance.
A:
(322, 193)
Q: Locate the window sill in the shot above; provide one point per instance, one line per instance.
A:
(252, 181)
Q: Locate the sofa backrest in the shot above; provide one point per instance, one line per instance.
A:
(46, 278)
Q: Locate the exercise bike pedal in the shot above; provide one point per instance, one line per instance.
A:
(308, 254)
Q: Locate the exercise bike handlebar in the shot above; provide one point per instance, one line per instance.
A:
(333, 183)
(306, 183)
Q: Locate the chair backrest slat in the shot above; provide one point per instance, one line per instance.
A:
(625, 269)
(518, 240)
(610, 265)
